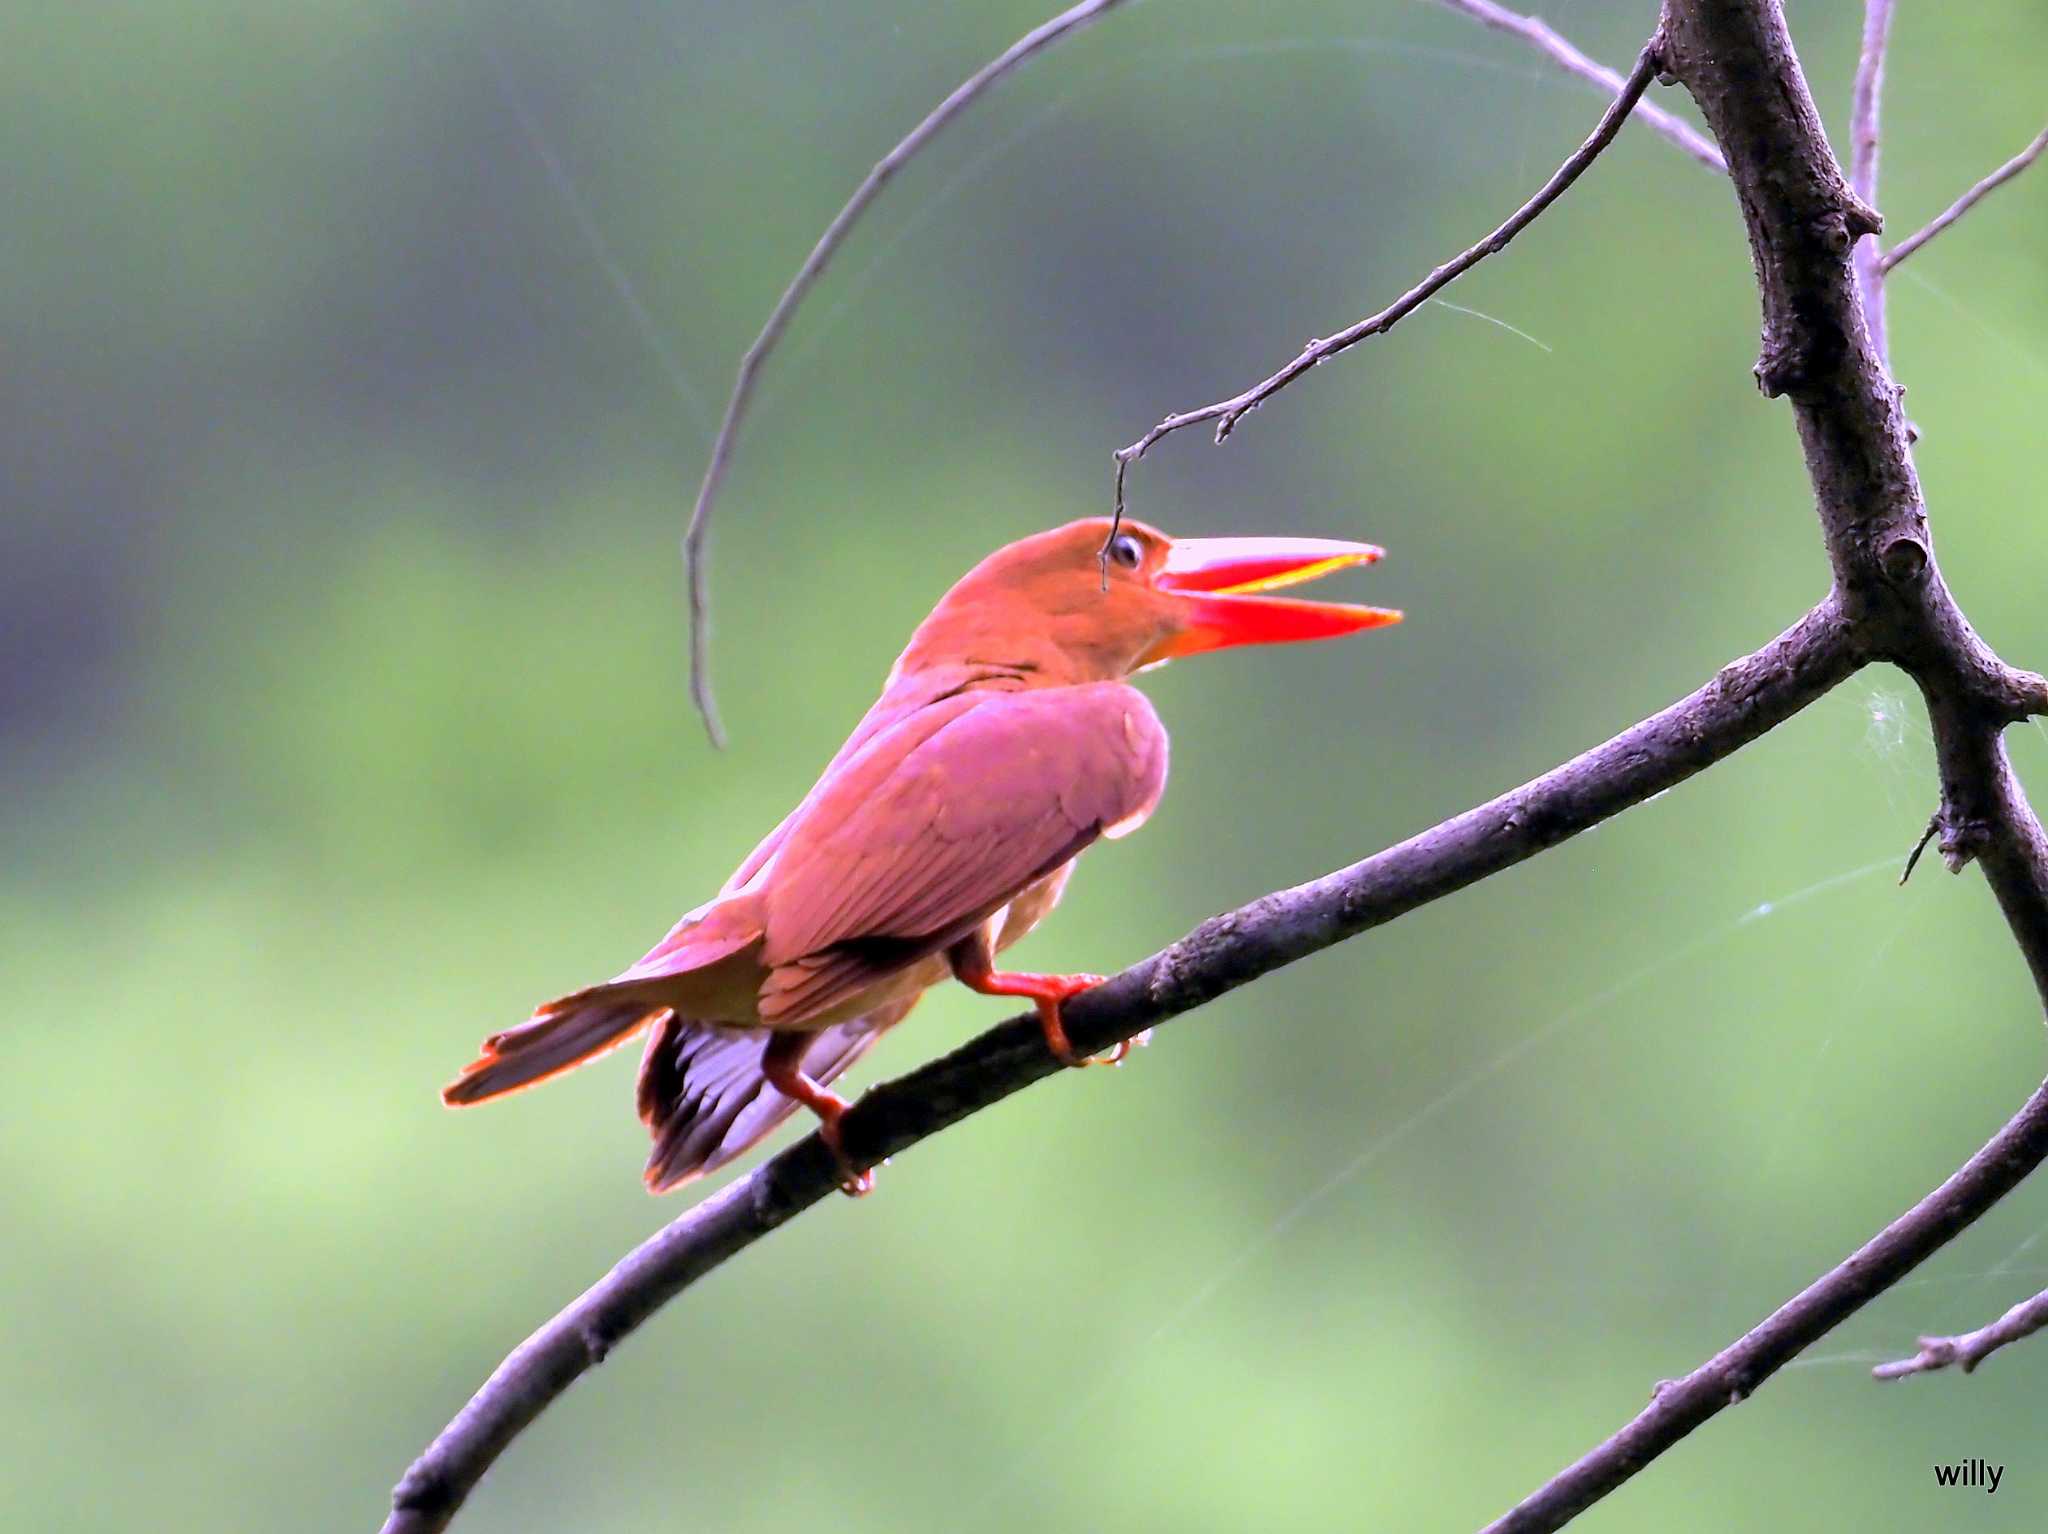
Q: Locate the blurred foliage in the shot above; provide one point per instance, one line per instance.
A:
(360, 360)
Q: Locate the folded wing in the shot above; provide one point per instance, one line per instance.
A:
(938, 823)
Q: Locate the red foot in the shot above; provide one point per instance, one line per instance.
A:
(1048, 991)
(781, 1064)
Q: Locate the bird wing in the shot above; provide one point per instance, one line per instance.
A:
(940, 821)
(905, 696)
(727, 923)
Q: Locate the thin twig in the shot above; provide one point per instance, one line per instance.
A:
(1967, 201)
(1867, 99)
(1558, 48)
(1226, 413)
(1679, 1406)
(1966, 1350)
(1913, 857)
(964, 95)
(1742, 702)
(1865, 110)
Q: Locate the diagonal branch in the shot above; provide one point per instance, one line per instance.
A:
(1227, 412)
(1969, 1349)
(1560, 50)
(1742, 702)
(964, 95)
(1679, 1406)
(1967, 201)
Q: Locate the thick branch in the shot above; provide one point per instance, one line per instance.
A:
(1560, 50)
(1226, 413)
(1742, 702)
(1985, 818)
(1803, 218)
(1967, 201)
(1679, 1406)
(964, 95)
(1966, 1350)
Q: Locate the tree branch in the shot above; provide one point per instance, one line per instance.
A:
(1969, 1349)
(1560, 50)
(1227, 412)
(964, 95)
(1865, 108)
(1679, 1406)
(1823, 349)
(1964, 203)
(1742, 702)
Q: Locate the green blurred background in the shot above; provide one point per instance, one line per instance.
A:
(359, 361)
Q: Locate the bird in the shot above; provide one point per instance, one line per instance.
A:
(1007, 739)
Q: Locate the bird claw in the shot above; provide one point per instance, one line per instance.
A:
(1073, 1059)
(1056, 1034)
(853, 1181)
(856, 1184)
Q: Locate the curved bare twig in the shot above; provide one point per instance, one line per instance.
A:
(1226, 413)
(964, 95)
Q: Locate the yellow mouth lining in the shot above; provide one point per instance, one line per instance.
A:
(1308, 572)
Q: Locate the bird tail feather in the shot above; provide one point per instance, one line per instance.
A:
(561, 1036)
(705, 1100)
(570, 1030)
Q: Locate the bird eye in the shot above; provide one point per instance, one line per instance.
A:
(1127, 551)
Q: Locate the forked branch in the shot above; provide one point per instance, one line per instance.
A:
(1823, 350)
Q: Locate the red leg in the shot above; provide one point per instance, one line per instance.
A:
(782, 1065)
(1047, 990)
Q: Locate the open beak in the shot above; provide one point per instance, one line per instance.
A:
(1217, 588)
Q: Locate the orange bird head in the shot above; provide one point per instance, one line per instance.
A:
(1053, 608)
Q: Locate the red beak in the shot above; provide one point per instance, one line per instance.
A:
(1214, 583)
